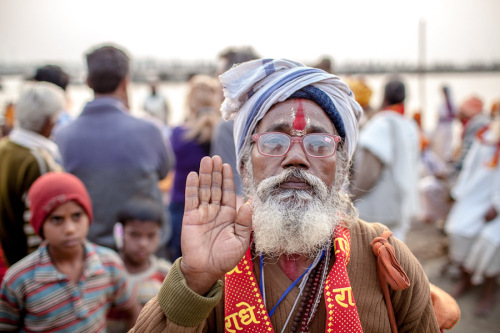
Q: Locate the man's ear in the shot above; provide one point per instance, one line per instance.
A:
(124, 83)
(122, 91)
(47, 127)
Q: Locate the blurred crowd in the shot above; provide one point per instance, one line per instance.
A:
(448, 178)
(127, 174)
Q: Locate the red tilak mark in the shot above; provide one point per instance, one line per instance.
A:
(299, 123)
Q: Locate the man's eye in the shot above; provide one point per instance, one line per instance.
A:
(276, 147)
(76, 216)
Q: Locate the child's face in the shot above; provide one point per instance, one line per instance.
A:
(66, 227)
(140, 240)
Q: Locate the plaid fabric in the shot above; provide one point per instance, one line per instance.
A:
(36, 297)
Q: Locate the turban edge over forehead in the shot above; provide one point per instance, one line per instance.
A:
(253, 87)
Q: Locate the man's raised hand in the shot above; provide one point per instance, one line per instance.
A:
(214, 236)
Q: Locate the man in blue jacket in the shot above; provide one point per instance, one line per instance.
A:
(115, 154)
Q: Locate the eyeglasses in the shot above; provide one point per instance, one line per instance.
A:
(314, 144)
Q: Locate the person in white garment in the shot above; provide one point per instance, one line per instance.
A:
(156, 109)
(384, 186)
(473, 224)
(442, 136)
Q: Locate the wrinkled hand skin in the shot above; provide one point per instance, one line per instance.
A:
(214, 235)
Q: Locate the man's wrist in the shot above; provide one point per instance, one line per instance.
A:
(200, 283)
(182, 305)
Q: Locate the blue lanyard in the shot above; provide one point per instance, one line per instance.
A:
(289, 288)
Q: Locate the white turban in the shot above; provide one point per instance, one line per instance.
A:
(253, 87)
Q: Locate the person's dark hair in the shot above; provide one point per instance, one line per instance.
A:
(107, 67)
(53, 74)
(141, 209)
(237, 55)
(394, 92)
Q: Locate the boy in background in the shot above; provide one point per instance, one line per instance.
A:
(137, 236)
(68, 284)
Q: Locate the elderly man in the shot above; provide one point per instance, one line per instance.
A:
(56, 75)
(295, 257)
(470, 114)
(26, 154)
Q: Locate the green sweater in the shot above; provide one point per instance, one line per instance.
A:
(178, 309)
(19, 168)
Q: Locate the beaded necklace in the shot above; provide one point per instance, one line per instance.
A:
(310, 291)
(244, 307)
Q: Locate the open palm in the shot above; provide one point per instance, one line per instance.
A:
(214, 236)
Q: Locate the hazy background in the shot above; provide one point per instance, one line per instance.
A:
(385, 30)
(457, 32)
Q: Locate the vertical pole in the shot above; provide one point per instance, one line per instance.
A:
(422, 69)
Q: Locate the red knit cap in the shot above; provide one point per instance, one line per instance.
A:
(52, 190)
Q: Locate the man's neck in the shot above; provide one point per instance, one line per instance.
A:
(118, 94)
(112, 95)
(399, 108)
(294, 265)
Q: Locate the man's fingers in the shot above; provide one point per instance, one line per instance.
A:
(191, 195)
(243, 225)
(228, 194)
(216, 189)
(205, 183)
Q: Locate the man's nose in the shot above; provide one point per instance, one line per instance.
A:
(296, 157)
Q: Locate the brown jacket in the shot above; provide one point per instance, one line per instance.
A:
(178, 309)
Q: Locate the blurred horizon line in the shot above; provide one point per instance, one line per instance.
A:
(176, 70)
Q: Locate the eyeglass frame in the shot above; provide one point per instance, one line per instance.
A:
(300, 139)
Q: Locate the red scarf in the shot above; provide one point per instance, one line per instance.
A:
(494, 161)
(399, 108)
(245, 310)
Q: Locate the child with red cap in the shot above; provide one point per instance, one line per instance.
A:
(68, 284)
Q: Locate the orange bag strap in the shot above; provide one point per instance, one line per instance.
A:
(390, 273)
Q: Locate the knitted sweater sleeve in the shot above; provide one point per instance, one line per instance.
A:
(413, 306)
(177, 308)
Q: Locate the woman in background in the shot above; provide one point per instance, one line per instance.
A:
(191, 142)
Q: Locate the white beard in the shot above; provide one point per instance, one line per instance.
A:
(289, 221)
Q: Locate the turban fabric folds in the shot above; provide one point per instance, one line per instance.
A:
(253, 87)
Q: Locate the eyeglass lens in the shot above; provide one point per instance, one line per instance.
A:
(276, 144)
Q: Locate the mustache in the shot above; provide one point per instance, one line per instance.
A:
(272, 184)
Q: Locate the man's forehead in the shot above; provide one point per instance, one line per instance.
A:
(297, 116)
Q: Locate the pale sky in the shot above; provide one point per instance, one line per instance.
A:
(355, 30)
